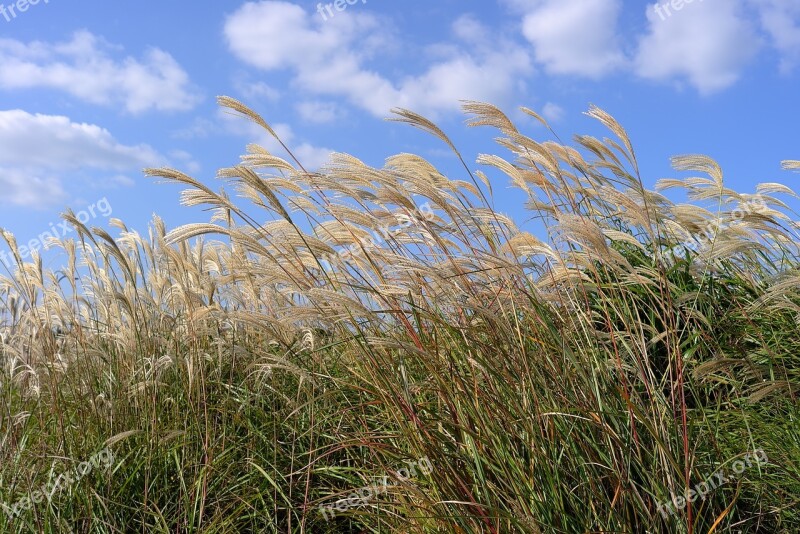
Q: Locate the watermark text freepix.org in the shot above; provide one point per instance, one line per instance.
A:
(757, 457)
(675, 5)
(407, 222)
(56, 231)
(706, 237)
(326, 10)
(362, 496)
(9, 12)
(105, 458)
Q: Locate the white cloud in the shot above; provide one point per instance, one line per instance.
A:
(468, 28)
(25, 188)
(706, 43)
(186, 161)
(38, 151)
(310, 156)
(121, 180)
(491, 78)
(577, 37)
(552, 112)
(200, 128)
(318, 111)
(259, 90)
(85, 69)
(330, 58)
(781, 20)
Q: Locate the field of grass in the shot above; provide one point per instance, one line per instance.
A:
(391, 353)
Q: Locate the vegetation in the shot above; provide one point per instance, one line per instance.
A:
(584, 376)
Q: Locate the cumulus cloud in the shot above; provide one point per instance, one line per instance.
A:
(85, 68)
(38, 151)
(331, 58)
(25, 188)
(258, 91)
(318, 111)
(200, 128)
(469, 28)
(310, 156)
(707, 44)
(552, 112)
(781, 20)
(577, 37)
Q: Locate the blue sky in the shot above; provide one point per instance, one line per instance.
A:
(91, 92)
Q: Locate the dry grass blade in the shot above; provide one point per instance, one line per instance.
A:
(418, 121)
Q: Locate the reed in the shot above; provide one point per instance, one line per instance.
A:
(252, 376)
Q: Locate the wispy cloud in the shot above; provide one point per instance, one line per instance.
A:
(85, 68)
(781, 21)
(310, 156)
(331, 58)
(707, 46)
(579, 37)
(319, 111)
(39, 152)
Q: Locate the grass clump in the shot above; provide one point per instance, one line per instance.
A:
(285, 376)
